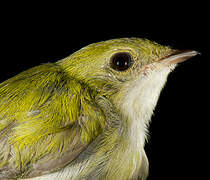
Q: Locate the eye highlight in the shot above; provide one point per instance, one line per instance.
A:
(121, 61)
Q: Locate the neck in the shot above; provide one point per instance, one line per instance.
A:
(137, 108)
(140, 101)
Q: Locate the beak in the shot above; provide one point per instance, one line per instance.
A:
(179, 56)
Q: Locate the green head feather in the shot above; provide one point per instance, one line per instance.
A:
(91, 64)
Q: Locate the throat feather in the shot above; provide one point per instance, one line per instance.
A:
(139, 103)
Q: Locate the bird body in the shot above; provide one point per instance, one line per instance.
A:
(85, 116)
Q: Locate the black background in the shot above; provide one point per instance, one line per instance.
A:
(32, 34)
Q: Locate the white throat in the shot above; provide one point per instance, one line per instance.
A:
(140, 102)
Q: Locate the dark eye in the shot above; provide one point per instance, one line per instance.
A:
(121, 61)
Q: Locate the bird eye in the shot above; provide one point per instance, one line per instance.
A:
(121, 61)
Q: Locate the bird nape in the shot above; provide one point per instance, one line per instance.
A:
(85, 116)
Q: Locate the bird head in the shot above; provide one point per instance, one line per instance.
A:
(118, 67)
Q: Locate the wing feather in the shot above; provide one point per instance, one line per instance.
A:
(46, 119)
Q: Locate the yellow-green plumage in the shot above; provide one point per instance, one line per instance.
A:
(68, 120)
(43, 104)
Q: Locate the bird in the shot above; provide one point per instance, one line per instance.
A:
(85, 116)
